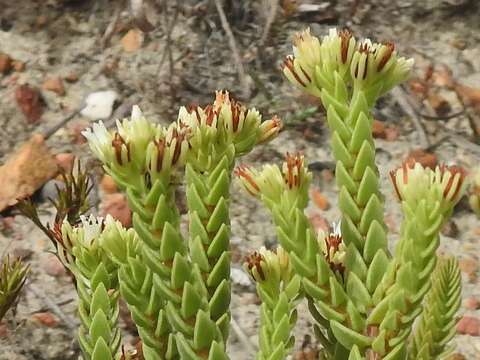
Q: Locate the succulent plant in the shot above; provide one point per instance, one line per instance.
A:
(363, 298)
(13, 275)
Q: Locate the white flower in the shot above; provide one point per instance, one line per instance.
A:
(100, 141)
(92, 228)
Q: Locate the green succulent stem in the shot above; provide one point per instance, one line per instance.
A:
(97, 286)
(278, 288)
(436, 326)
(277, 319)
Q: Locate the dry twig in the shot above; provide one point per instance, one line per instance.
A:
(242, 75)
(69, 322)
(273, 7)
(400, 96)
(249, 347)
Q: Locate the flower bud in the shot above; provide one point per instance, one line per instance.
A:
(413, 183)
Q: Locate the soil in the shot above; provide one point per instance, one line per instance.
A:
(185, 64)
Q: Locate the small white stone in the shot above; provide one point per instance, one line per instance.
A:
(99, 105)
(240, 277)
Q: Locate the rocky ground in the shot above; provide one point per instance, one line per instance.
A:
(59, 49)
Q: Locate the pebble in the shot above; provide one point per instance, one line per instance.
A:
(65, 161)
(469, 325)
(426, 159)
(107, 185)
(471, 303)
(99, 105)
(45, 318)
(132, 40)
(54, 84)
(5, 63)
(116, 205)
(52, 266)
(240, 277)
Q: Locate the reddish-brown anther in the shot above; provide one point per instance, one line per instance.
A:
(160, 144)
(294, 170)
(242, 171)
(211, 114)
(236, 111)
(254, 260)
(453, 170)
(180, 137)
(288, 63)
(117, 144)
(388, 54)
(345, 36)
(407, 164)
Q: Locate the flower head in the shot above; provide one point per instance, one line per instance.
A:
(377, 65)
(300, 67)
(269, 266)
(333, 247)
(413, 183)
(126, 145)
(271, 183)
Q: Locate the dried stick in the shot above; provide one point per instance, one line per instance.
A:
(69, 323)
(107, 35)
(242, 75)
(400, 96)
(268, 24)
(247, 344)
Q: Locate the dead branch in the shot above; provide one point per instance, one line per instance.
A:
(400, 96)
(242, 75)
(273, 7)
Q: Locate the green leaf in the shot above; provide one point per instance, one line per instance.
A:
(217, 352)
(365, 158)
(358, 292)
(336, 124)
(373, 211)
(361, 133)
(220, 242)
(220, 271)
(198, 255)
(196, 227)
(220, 300)
(171, 243)
(181, 270)
(368, 186)
(185, 350)
(348, 206)
(100, 327)
(347, 337)
(355, 354)
(205, 331)
(376, 240)
(163, 213)
(376, 270)
(282, 331)
(219, 216)
(220, 188)
(100, 300)
(101, 351)
(340, 151)
(338, 295)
